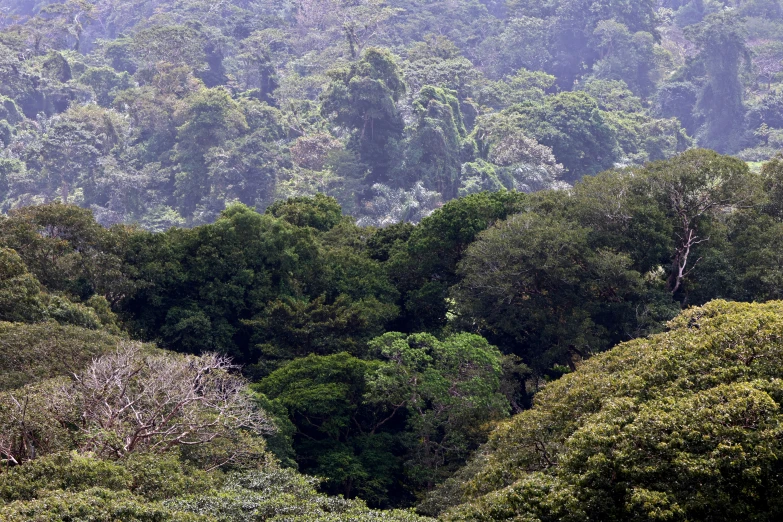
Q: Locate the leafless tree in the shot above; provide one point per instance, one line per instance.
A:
(130, 401)
(133, 400)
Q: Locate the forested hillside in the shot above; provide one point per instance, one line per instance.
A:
(378, 359)
(163, 113)
(390, 260)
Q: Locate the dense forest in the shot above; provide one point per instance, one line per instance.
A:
(329, 260)
(163, 113)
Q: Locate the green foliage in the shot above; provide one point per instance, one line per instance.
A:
(252, 285)
(573, 126)
(413, 416)
(165, 489)
(20, 292)
(33, 352)
(436, 146)
(253, 126)
(722, 43)
(425, 266)
(210, 117)
(537, 285)
(635, 431)
(92, 504)
(278, 495)
(319, 212)
(259, 104)
(22, 299)
(324, 396)
(68, 252)
(363, 99)
(105, 83)
(153, 477)
(451, 391)
(509, 158)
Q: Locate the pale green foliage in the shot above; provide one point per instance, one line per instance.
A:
(280, 495)
(93, 504)
(153, 477)
(389, 205)
(517, 161)
(20, 291)
(40, 351)
(155, 489)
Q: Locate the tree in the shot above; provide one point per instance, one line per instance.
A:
(722, 48)
(624, 56)
(168, 44)
(640, 137)
(585, 450)
(200, 284)
(131, 401)
(20, 291)
(67, 251)
(39, 351)
(678, 100)
(338, 432)
(533, 285)
(363, 98)
(425, 266)
(573, 126)
(693, 188)
(209, 118)
(168, 489)
(319, 212)
(573, 23)
(105, 83)
(451, 392)
(516, 161)
(435, 149)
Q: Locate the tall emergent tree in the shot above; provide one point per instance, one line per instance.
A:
(363, 98)
(721, 39)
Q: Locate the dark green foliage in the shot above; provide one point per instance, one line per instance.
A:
(251, 285)
(336, 430)
(412, 417)
(451, 390)
(538, 286)
(202, 282)
(20, 293)
(67, 251)
(678, 100)
(644, 241)
(210, 118)
(105, 83)
(425, 266)
(319, 212)
(363, 99)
